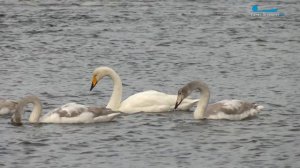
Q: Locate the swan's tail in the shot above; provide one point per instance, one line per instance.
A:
(195, 101)
(113, 115)
(187, 104)
(259, 107)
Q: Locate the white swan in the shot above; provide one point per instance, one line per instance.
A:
(225, 109)
(68, 113)
(7, 106)
(147, 101)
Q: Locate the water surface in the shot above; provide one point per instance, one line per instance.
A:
(50, 48)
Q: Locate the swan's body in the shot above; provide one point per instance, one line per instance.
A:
(153, 101)
(147, 101)
(7, 106)
(68, 113)
(225, 109)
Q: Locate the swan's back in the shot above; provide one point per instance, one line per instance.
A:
(77, 113)
(147, 98)
(153, 101)
(232, 110)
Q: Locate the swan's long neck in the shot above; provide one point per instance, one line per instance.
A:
(116, 96)
(37, 108)
(203, 101)
(202, 104)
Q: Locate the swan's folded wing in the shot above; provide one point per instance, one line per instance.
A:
(99, 111)
(105, 118)
(67, 110)
(230, 107)
(74, 110)
(77, 113)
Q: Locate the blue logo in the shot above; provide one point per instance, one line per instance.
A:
(256, 10)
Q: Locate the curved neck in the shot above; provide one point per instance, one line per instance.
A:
(201, 105)
(204, 98)
(37, 108)
(116, 96)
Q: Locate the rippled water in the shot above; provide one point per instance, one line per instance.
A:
(50, 48)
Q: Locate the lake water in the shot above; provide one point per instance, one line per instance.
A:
(50, 48)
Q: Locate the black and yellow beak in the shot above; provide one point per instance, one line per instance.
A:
(178, 101)
(94, 83)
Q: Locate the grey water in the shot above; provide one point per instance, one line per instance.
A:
(50, 48)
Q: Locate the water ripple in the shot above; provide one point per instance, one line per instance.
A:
(50, 49)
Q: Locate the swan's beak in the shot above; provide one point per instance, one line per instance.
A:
(94, 83)
(178, 101)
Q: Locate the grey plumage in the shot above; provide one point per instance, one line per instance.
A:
(68, 113)
(225, 109)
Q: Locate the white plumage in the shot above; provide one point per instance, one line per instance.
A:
(147, 101)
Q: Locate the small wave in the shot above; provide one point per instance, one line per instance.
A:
(28, 143)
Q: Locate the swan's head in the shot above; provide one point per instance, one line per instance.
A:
(189, 88)
(182, 94)
(98, 74)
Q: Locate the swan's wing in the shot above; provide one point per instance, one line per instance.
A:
(236, 108)
(77, 113)
(7, 106)
(153, 101)
(230, 107)
(100, 111)
(68, 110)
(108, 117)
(74, 110)
(147, 98)
(144, 101)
